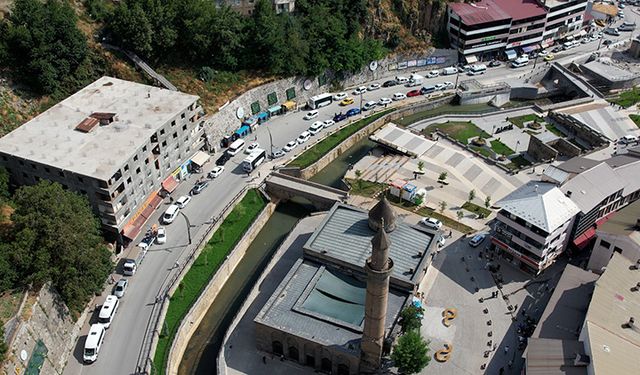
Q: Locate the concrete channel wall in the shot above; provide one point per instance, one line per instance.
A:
(192, 320)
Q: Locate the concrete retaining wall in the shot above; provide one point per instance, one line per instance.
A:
(199, 309)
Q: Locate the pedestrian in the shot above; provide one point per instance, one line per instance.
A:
(171, 199)
(501, 370)
(258, 174)
(506, 350)
(450, 233)
(515, 308)
(510, 363)
(264, 359)
(494, 346)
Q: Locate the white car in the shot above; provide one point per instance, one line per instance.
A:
(339, 96)
(384, 101)
(441, 241)
(120, 288)
(447, 85)
(477, 240)
(360, 90)
(369, 105)
(161, 236)
(433, 74)
(439, 86)
(543, 53)
(252, 146)
(216, 172)
(290, 146)
(311, 115)
(329, 123)
(373, 86)
(316, 127)
(399, 96)
(302, 138)
(432, 223)
(183, 201)
(129, 267)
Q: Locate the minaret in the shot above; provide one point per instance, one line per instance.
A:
(378, 269)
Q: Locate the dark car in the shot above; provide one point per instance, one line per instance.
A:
(197, 189)
(353, 112)
(413, 93)
(339, 117)
(607, 42)
(426, 90)
(495, 63)
(223, 159)
(389, 83)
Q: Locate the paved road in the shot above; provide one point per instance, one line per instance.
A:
(120, 352)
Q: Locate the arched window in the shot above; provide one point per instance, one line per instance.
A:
(277, 348)
(343, 369)
(325, 365)
(293, 353)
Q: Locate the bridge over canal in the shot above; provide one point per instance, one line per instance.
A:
(285, 187)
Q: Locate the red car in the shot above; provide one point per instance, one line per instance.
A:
(413, 93)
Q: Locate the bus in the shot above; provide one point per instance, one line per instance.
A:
(254, 160)
(235, 147)
(319, 101)
(477, 69)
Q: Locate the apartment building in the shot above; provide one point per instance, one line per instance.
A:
(117, 142)
(533, 226)
(246, 6)
(564, 18)
(527, 23)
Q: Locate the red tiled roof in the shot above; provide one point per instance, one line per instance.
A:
(478, 13)
(521, 9)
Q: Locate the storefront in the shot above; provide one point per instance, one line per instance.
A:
(517, 259)
(131, 230)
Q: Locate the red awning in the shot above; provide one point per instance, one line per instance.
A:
(604, 219)
(133, 227)
(583, 240)
(170, 184)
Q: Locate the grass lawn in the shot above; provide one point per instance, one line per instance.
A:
(518, 162)
(365, 188)
(323, 147)
(501, 148)
(482, 151)
(445, 109)
(520, 120)
(636, 119)
(554, 130)
(472, 207)
(9, 304)
(203, 269)
(459, 130)
(628, 98)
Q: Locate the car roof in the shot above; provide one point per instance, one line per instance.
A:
(94, 334)
(171, 209)
(122, 281)
(129, 261)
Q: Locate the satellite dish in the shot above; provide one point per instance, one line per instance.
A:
(373, 65)
(307, 84)
(240, 113)
(23, 355)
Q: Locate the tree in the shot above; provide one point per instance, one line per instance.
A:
(410, 318)
(411, 353)
(472, 195)
(131, 28)
(460, 214)
(358, 174)
(487, 202)
(443, 206)
(3, 345)
(442, 177)
(4, 184)
(57, 238)
(420, 165)
(43, 43)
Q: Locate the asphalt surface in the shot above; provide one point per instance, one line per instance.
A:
(122, 346)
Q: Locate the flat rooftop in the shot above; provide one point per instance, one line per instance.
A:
(521, 9)
(344, 238)
(480, 12)
(51, 138)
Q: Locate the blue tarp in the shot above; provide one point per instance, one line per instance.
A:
(410, 188)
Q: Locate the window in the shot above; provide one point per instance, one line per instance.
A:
(79, 179)
(173, 123)
(164, 144)
(129, 180)
(138, 170)
(617, 250)
(33, 166)
(21, 162)
(175, 134)
(605, 244)
(46, 169)
(24, 175)
(144, 149)
(146, 161)
(4, 157)
(135, 158)
(184, 127)
(182, 115)
(126, 167)
(61, 174)
(162, 132)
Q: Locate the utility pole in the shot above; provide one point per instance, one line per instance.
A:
(270, 142)
(457, 77)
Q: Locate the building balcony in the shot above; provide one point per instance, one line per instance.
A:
(521, 228)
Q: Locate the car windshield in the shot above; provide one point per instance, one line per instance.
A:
(119, 288)
(89, 352)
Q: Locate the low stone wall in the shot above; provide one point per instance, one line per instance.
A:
(46, 320)
(569, 103)
(199, 309)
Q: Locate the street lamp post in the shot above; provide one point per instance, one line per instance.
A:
(457, 77)
(188, 225)
(361, 100)
(270, 142)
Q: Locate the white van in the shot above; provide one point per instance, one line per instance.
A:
(401, 80)
(316, 127)
(170, 214)
(108, 311)
(235, 147)
(93, 343)
(520, 62)
(369, 105)
(415, 80)
(476, 69)
(303, 137)
(628, 139)
(448, 71)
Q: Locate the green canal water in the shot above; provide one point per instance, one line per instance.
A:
(202, 351)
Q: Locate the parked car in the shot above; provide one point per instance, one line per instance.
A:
(439, 86)
(215, 172)
(303, 137)
(329, 123)
(199, 187)
(369, 105)
(432, 223)
(606, 42)
(401, 80)
(161, 236)
(557, 48)
(129, 267)
(146, 242)
(427, 90)
(223, 159)
(433, 74)
(252, 146)
(441, 241)
(311, 115)
(495, 63)
(353, 112)
(339, 117)
(628, 139)
(120, 288)
(413, 93)
(549, 57)
(543, 53)
(389, 83)
(183, 201)
(277, 153)
(448, 85)
(316, 127)
(477, 240)
(384, 101)
(339, 96)
(360, 90)
(399, 96)
(170, 214)
(346, 101)
(373, 86)
(290, 146)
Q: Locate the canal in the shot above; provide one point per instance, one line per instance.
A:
(201, 354)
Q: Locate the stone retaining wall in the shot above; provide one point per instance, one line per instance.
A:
(192, 320)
